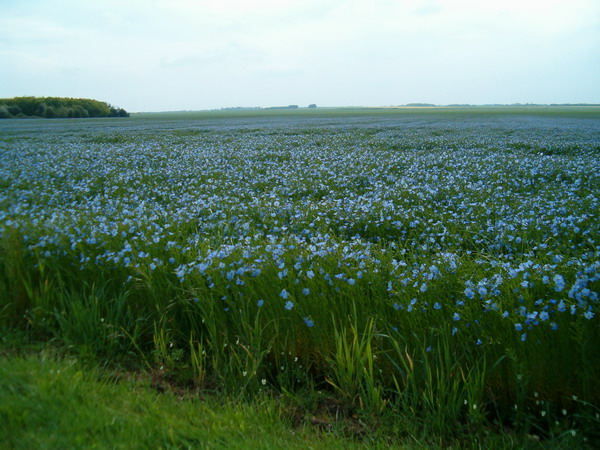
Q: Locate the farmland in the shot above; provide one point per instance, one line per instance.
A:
(441, 265)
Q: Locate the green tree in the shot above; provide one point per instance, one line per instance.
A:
(14, 110)
(4, 114)
(51, 107)
(41, 110)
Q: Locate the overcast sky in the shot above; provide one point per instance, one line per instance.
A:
(152, 55)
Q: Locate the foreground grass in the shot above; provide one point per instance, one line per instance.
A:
(52, 400)
(47, 401)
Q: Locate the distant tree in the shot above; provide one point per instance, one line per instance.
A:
(41, 110)
(284, 107)
(52, 107)
(4, 114)
(312, 106)
(62, 112)
(14, 110)
(118, 112)
(96, 108)
(50, 113)
(28, 105)
(78, 111)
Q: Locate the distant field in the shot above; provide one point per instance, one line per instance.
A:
(437, 264)
(565, 111)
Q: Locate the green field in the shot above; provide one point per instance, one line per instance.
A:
(412, 276)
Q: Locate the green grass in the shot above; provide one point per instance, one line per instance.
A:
(48, 401)
(51, 400)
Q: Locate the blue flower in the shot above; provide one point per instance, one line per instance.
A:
(180, 272)
(306, 291)
(469, 293)
(588, 315)
(284, 294)
(351, 281)
(289, 305)
(437, 305)
(309, 323)
(518, 326)
(559, 283)
(260, 303)
(456, 317)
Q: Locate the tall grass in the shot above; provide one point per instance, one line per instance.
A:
(375, 359)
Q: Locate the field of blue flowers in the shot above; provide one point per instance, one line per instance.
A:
(446, 267)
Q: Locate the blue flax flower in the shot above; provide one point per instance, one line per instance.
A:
(309, 323)
(559, 283)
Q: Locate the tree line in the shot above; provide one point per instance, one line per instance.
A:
(57, 107)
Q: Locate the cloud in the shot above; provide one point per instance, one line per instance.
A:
(262, 52)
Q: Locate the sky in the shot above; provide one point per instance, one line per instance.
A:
(153, 55)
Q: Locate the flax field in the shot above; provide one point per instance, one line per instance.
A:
(442, 267)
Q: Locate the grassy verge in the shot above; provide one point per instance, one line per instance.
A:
(49, 399)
